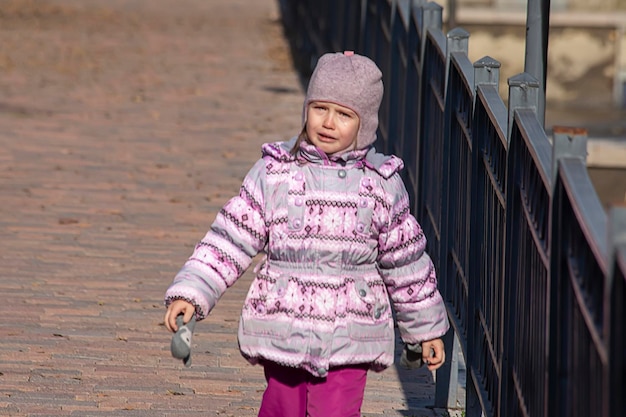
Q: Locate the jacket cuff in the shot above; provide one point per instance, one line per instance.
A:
(192, 296)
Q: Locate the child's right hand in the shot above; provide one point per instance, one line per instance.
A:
(175, 308)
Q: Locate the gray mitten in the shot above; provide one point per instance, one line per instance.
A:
(181, 341)
(412, 356)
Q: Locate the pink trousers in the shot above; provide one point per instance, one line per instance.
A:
(296, 393)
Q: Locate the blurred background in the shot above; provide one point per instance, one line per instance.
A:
(586, 73)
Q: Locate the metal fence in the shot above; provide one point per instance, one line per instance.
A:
(530, 265)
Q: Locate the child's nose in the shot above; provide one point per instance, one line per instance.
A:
(329, 120)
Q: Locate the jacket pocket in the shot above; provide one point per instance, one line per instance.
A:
(370, 331)
(270, 328)
(266, 294)
(263, 311)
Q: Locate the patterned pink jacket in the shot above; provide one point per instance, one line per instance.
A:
(341, 248)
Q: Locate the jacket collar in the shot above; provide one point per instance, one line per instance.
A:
(312, 154)
(385, 165)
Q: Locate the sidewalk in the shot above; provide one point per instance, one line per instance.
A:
(126, 124)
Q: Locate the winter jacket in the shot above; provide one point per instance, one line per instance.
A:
(341, 249)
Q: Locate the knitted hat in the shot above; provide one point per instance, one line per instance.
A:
(352, 81)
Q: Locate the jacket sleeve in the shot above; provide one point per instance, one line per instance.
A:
(226, 251)
(408, 271)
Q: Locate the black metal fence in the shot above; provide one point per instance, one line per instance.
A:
(531, 267)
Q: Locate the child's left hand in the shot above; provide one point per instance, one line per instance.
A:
(433, 353)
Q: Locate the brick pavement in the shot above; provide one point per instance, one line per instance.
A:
(126, 124)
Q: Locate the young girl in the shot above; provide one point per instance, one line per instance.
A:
(332, 216)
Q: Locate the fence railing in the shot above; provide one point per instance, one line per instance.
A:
(530, 266)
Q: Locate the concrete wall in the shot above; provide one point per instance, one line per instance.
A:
(581, 62)
(587, 45)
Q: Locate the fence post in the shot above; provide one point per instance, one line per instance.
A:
(433, 15)
(433, 18)
(419, 25)
(486, 71)
(567, 143)
(523, 94)
(457, 40)
(446, 394)
(615, 309)
(447, 384)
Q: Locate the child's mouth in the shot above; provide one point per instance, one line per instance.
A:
(325, 138)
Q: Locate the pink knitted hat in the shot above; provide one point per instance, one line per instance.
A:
(352, 81)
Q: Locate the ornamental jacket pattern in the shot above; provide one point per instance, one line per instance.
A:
(342, 249)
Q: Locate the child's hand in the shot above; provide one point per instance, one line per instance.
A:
(175, 308)
(433, 353)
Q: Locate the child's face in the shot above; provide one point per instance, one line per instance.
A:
(331, 127)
